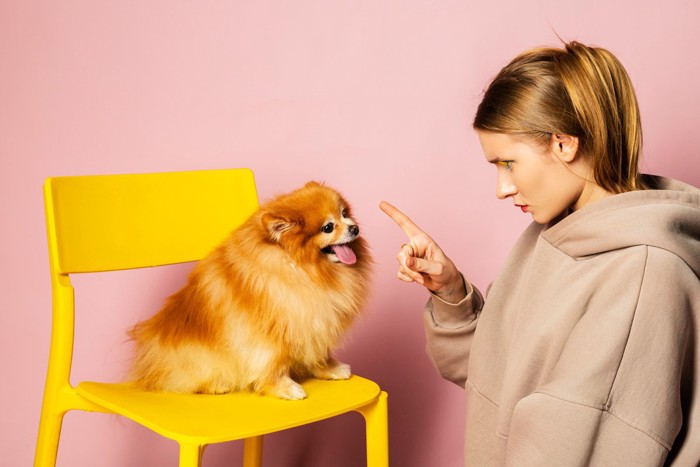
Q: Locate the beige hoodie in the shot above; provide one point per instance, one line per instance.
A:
(587, 351)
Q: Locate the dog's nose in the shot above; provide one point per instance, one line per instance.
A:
(355, 230)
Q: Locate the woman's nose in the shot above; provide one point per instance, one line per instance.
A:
(505, 187)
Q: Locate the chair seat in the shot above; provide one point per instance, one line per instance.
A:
(206, 419)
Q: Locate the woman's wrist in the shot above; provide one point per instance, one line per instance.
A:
(456, 292)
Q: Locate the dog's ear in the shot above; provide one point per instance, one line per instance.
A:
(312, 183)
(277, 224)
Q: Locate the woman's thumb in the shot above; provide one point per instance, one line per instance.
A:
(411, 262)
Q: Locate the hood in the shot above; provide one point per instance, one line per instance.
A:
(666, 216)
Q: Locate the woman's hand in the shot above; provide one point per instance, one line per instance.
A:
(421, 260)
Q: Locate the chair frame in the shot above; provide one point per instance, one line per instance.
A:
(60, 396)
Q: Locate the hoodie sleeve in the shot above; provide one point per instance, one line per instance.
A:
(652, 413)
(449, 332)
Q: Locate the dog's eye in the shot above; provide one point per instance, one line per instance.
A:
(328, 228)
(344, 213)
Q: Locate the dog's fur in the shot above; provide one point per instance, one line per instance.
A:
(267, 305)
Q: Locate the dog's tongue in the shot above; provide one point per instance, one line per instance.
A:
(344, 254)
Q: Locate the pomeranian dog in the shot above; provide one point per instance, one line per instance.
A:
(266, 307)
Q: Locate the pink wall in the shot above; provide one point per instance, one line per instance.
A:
(374, 97)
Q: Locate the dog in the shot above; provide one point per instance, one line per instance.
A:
(266, 308)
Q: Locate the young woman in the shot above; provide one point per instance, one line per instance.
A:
(587, 349)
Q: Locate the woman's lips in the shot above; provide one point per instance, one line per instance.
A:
(523, 207)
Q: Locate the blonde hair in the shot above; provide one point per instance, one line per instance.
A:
(579, 91)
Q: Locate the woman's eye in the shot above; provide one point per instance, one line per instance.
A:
(328, 228)
(507, 164)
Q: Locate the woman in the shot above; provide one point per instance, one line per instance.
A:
(586, 350)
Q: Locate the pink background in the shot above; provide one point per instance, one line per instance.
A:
(373, 97)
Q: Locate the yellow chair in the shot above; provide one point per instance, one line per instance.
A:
(115, 222)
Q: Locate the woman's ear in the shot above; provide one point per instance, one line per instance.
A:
(564, 147)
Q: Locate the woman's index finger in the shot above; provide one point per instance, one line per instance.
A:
(401, 219)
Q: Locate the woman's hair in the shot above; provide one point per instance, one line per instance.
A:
(579, 91)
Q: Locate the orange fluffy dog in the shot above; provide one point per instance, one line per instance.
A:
(268, 304)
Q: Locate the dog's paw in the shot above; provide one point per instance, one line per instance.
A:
(294, 393)
(287, 389)
(336, 371)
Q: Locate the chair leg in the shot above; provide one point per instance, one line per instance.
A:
(47, 439)
(191, 455)
(377, 428)
(252, 451)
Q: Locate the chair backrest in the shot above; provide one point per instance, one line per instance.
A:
(113, 222)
